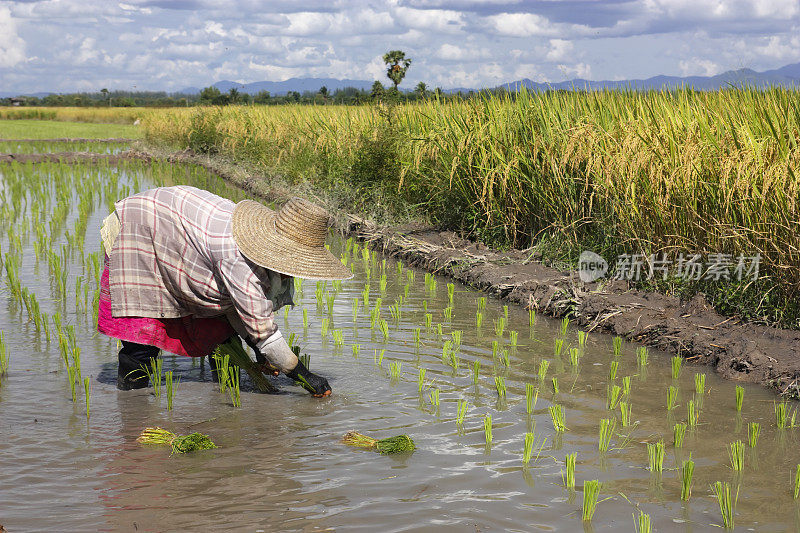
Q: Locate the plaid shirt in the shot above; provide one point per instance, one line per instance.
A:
(175, 256)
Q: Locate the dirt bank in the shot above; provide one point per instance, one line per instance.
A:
(735, 349)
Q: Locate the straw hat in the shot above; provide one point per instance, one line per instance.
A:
(290, 241)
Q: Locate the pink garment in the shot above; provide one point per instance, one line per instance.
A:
(187, 335)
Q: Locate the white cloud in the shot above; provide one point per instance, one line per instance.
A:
(698, 67)
(560, 50)
(440, 20)
(12, 47)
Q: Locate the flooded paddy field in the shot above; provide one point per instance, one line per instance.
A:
(47, 147)
(404, 353)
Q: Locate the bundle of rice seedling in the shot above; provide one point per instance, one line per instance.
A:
(239, 357)
(179, 443)
(397, 444)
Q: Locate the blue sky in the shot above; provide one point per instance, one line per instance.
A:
(66, 45)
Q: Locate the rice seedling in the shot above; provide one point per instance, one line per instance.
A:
(557, 415)
(476, 371)
(506, 359)
(687, 471)
(356, 349)
(324, 327)
(617, 346)
(461, 412)
(591, 491)
(693, 414)
(625, 413)
(448, 313)
(564, 325)
(222, 365)
(613, 395)
(753, 432)
(5, 358)
(612, 372)
(736, 455)
(365, 296)
(233, 386)
(170, 387)
(499, 326)
(72, 375)
(338, 337)
(559, 346)
(679, 434)
(555, 385)
(626, 386)
(642, 523)
(784, 415)
(87, 387)
(500, 386)
(568, 474)
(487, 428)
(330, 299)
(655, 456)
(399, 268)
(739, 398)
(482, 303)
(378, 357)
(676, 366)
(513, 337)
(642, 356)
(410, 276)
(421, 379)
(797, 482)
(451, 290)
(154, 373)
(382, 283)
(395, 369)
(531, 317)
(178, 444)
(478, 319)
(397, 444)
(433, 397)
(582, 335)
(384, 327)
(672, 397)
(531, 398)
(727, 505)
(544, 365)
(530, 445)
(495, 349)
(574, 357)
(428, 320)
(417, 335)
(699, 384)
(439, 330)
(406, 289)
(607, 427)
(456, 336)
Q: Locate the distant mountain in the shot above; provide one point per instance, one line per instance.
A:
(279, 88)
(788, 76)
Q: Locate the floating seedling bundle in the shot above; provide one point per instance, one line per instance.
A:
(390, 445)
(179, 443)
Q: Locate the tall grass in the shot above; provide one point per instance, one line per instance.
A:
(640, 172)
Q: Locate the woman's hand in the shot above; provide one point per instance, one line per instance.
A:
(316, 385)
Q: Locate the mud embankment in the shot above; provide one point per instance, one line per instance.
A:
(737, 350)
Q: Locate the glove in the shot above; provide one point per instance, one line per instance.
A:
(316, 385)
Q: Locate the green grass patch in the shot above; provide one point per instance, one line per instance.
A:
(46, 129)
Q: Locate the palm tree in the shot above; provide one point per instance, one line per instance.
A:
(394, 59)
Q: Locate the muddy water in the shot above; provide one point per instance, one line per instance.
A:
(280, 465)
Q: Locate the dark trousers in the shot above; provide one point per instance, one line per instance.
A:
(133, 358)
